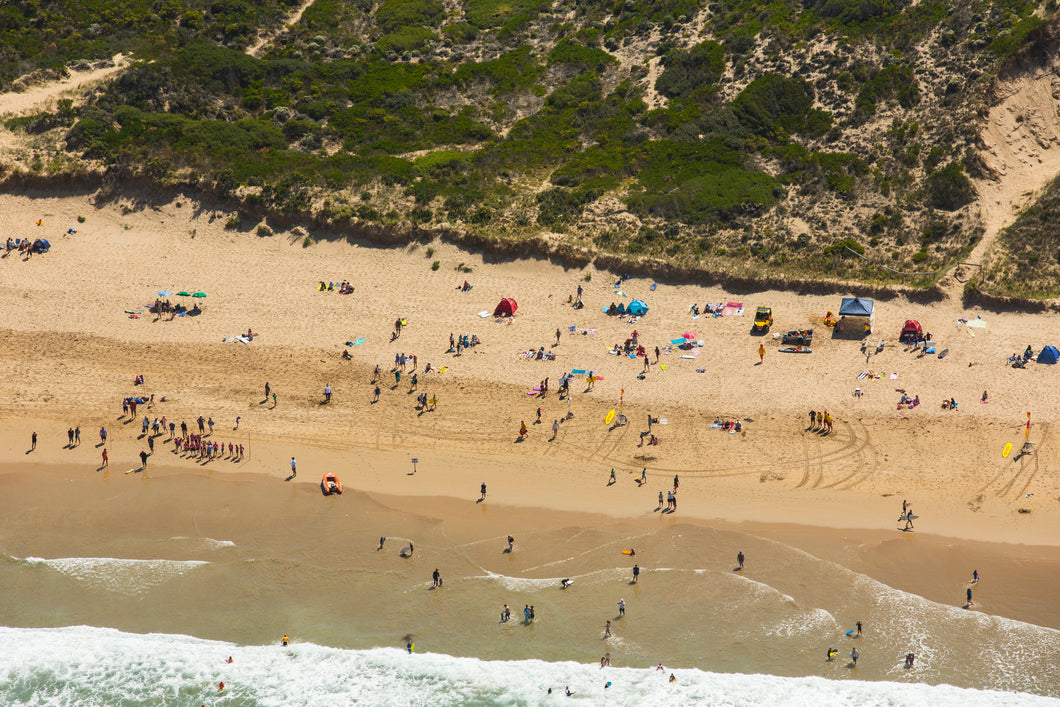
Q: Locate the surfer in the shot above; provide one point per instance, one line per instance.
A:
(565, 582)
(908, 520)
(407, 551)
(220, 687)
(285, 640)
(858, 625)
(229, 659)
(672, 678)
(832, 652)
(909, 658)
(381, 541)
(631, 552)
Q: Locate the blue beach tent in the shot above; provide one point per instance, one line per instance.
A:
(1048, 355)
(637, 307)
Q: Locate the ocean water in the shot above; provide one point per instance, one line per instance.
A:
(86, 666)
(131, 614)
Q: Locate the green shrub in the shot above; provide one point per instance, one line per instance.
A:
(405, 39)
(949, 188)
(232, 222)
(307, 241)
(430, 252)
(840, 248)
(690, 70)
(889, 83)
(436, 264)
(80, 219)
(573, 53)
(392, 15)
(773, 105)
(460, 33)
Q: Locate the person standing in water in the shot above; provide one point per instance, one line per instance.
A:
(285, 640)
(636, 574)
(854, 655)
(621, 608)
(739, 559)
(859, 629)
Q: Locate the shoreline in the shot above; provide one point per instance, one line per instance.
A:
(1019, 573)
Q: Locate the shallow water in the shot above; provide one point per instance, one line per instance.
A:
(313, 570)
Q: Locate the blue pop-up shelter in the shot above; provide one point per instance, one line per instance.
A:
(1049, 355)
(860, 308)
(637, 307)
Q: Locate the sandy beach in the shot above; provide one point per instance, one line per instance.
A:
(816, 513)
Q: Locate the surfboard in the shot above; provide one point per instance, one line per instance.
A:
(1006, 451)
(851, 632)
(405, 550)
(609, 417)
(942, 354)
(627, 552)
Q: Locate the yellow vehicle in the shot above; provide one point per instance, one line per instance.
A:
(763, 318)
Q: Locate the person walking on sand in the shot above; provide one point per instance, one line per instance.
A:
(143, 459)
(740, 559)
(636, 573)
(77, 436)
(268, 390)
(555, 428)
(969, 595)
(436, 576)
(106, 461)
(908, 520)
(813, 419)
(70, 437)
(327, 393)
(511, 543)
(612, 479)
(660, 499)
(294, 468)
(103, 435)
(483, 489)
(644, 476)
(557, 337)
(761, 353)
(676, 483)
(33, 441)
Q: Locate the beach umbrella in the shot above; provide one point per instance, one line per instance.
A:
(690, 335)
(164, 293)
(199, 294)
(182, 293)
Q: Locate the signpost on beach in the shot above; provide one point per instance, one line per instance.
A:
(415, 461)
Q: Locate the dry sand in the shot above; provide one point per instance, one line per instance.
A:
(70, 352)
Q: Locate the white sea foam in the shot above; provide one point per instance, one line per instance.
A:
(131, 577)
(208, 543)
(88, 666)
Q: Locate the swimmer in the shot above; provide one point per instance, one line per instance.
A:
(285, 640)
(229, 659)
(566, 688)
(659, 667)
(909, 658)
(672, 678)
(220, 687)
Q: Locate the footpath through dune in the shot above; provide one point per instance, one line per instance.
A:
(1021, 140)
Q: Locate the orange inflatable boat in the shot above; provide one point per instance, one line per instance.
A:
(330, 484)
